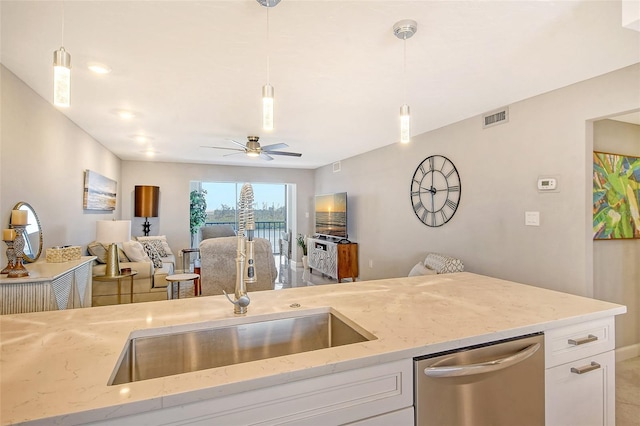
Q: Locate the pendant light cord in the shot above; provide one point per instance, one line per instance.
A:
(404, 69)
(268, 81)
(62, 38)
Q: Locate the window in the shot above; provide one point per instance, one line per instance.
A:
(269, 207)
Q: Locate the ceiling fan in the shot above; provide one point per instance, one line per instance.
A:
(253, 149)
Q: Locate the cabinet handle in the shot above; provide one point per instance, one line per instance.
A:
(585, 368)
(583, 340)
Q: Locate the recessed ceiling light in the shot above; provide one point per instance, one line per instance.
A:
(125, 114)
(141, 138)
(98, 68)
(150, 153)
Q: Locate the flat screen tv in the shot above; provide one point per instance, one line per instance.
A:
(331, 215)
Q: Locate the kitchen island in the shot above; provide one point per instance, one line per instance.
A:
(56, 366)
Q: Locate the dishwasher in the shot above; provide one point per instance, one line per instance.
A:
(499, 383)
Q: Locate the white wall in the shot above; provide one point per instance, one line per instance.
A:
(499, 166)
(43, 159)
(616, 263)
(173, 180)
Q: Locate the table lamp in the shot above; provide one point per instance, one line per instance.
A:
(146, 204)
(113, 232)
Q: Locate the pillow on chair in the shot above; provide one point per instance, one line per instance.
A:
(217, 231)
(420, 269)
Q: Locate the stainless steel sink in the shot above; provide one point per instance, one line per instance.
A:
(148, 357)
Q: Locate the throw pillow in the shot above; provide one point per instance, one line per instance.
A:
(135, 252)
(100, 251)
(420, 270)
(97, 249)
(163, 241)
(153, 254)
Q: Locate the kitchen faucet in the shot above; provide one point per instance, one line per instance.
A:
(245, 263)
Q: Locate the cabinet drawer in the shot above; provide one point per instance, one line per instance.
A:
(586, 399)
(566, 344)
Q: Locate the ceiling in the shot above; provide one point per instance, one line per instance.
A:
(192, 71)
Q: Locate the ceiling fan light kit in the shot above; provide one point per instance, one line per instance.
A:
(403, 30)
(253, 149)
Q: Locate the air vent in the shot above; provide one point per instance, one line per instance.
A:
(336, 167)
(494, 118)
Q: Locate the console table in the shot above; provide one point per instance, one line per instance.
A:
(337, 260)
(49, 287)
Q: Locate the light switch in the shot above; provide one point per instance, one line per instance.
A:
(532, 218)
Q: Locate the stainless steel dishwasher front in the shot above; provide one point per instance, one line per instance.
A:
(496, 384)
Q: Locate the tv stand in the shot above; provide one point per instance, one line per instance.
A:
(337, 260)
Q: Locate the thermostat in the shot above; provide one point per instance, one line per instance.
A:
(547, 184)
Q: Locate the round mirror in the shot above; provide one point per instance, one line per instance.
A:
(32, 233)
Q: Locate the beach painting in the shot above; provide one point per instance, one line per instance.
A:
(616, 196)
(99, 192)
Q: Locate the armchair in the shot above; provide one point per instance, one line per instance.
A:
(218, 265)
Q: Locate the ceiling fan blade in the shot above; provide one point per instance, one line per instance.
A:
(290, 154)
(266, 156)
(234, 153)
(275, 146)
(238, 143)
(220, 147)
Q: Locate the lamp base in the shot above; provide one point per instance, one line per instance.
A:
(113, 262)
(146, 226)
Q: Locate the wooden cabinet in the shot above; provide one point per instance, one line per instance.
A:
(333, 259)
(580, 374)
(49, 287)
(377, 395)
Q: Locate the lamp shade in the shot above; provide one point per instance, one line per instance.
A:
(113, 231)
(146, 201)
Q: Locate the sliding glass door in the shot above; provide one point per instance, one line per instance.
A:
(270, 208)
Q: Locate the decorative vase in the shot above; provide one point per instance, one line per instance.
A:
(305, 262)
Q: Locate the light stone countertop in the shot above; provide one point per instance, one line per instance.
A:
(45, 271)
(55, 366)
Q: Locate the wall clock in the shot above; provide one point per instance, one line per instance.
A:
(435, 190)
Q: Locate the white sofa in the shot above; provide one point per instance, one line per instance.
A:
(149, 284)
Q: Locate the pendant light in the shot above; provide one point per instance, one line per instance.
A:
(403, 30)
(62, 73)
(267, 89)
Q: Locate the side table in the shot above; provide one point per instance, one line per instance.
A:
(178, 278)
(119, 278)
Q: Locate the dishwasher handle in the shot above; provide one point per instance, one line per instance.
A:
(484, 367)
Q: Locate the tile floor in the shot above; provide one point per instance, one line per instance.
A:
(628, 392)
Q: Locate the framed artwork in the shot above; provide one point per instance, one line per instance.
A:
(616, 196)
(99, 192)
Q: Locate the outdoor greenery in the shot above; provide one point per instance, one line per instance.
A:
(266, 213)
(198, 209)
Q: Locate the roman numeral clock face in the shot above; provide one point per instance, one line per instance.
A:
(435, 191)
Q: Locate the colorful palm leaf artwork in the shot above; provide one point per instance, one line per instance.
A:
(616, 196)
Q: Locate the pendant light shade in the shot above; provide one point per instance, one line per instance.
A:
(61, 78)
(267, 107)
(405, 124)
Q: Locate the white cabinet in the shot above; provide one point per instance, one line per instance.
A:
(377, 395)
(49, 287)
(580, 374)
(333, 259)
